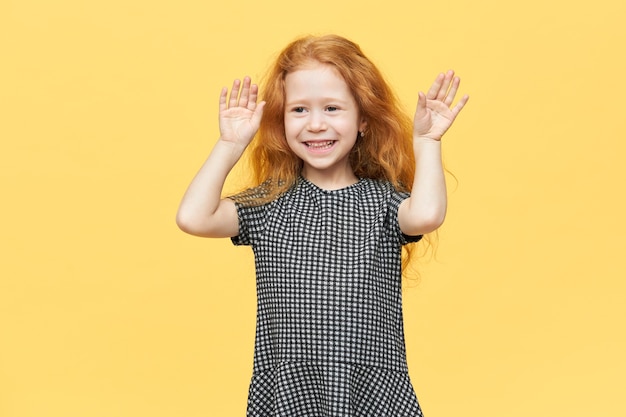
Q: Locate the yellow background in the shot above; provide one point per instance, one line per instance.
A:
(108, 108)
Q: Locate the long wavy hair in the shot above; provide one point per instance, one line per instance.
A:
(385, 152)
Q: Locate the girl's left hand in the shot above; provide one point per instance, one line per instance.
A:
(434, 116)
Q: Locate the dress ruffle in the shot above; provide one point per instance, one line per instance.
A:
(305, 389)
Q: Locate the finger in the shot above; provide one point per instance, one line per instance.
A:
(234, 93)
(245, 92)
(459, 106)
(223, 95)
(456, 81)
(445, 85)
(421, 104)
(421, 108)
(254, 92)
(434, 89)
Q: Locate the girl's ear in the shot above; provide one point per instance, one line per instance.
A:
(362, 125)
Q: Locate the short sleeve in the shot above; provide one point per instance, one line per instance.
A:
(396, 199)
(252, 222)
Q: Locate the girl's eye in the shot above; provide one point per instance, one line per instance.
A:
(299, 109)
(331, 108)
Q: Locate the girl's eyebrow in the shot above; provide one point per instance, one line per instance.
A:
(321, 99)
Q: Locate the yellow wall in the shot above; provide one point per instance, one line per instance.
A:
(107, 108)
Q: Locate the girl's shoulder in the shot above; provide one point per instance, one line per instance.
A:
(262, 194)
(381, 186)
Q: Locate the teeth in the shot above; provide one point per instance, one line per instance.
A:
(320, 145)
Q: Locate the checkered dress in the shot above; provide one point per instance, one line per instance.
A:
(329, 335)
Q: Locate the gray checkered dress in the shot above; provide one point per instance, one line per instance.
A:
(329, 335)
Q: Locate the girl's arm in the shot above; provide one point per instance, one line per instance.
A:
(425, 210)
(203, 211)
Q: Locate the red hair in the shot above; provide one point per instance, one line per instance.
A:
(385, 151)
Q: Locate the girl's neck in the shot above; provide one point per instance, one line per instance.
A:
(330, 180)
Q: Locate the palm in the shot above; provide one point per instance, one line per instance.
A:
(236, 124)
(434, 114)
(239, 115)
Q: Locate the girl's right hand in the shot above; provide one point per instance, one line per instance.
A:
(239, 113)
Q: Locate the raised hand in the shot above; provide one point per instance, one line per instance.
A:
(239, 112)
(434, 114)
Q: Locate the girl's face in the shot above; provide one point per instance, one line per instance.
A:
(322, 123)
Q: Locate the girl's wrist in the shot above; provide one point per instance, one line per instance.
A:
(234, 145)
(418, 140)
(426, 147)
(229, 150)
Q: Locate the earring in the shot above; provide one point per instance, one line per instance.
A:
(361, 134)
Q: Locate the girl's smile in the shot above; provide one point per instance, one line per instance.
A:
(320, 146)
(322, 123)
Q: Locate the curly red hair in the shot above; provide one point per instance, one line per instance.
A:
(385, 151)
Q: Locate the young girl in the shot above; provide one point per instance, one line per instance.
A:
(344, 181)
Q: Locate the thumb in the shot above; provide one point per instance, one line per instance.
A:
(421, 104)
(258, 113)
(422, 111)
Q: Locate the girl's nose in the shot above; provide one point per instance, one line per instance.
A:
(316, 122)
